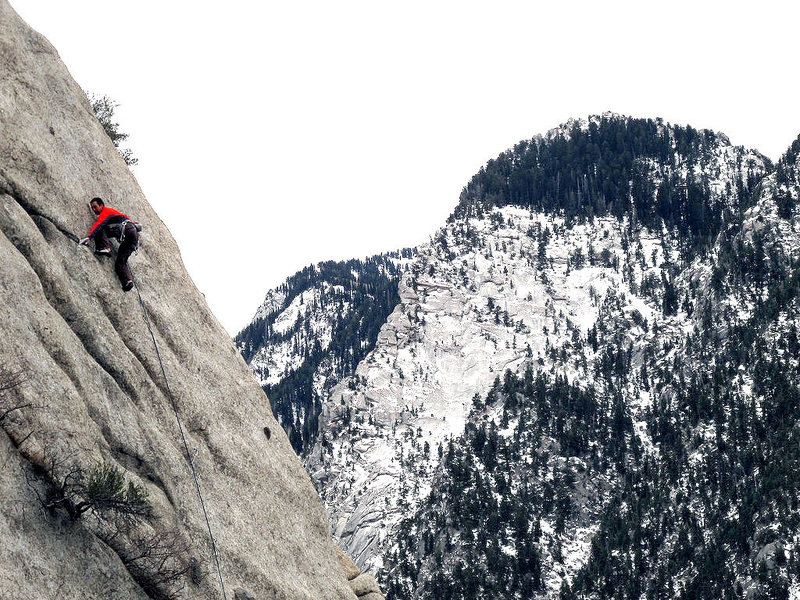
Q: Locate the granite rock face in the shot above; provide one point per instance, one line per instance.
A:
(94, 392)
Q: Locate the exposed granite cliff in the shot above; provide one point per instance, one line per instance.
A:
(95, 388)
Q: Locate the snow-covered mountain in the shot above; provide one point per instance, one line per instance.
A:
(490, 295)
(605, 321)
(666, 469)
(312, 331)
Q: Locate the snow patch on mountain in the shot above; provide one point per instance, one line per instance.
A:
(272, 363)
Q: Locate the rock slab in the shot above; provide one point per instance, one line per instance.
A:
(94, 383)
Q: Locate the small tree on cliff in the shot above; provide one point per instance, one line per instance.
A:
(103, 108)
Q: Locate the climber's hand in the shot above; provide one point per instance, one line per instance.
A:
(84, 242)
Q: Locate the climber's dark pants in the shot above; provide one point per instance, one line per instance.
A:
(126, 247)
(101, 240)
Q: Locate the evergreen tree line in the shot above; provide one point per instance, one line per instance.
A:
(692, 520)
(653, 173)
(479, 533)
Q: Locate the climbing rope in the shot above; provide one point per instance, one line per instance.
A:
(183, 436)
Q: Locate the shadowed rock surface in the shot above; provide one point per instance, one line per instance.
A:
(96, 385)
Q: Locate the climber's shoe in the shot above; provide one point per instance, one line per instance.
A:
(103, 252)
(127, 286)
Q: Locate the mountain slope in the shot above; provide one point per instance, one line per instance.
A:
(720, 520)
(312, 331)
(695, 448)
(695, 452)
(501, 288)
(94, 394)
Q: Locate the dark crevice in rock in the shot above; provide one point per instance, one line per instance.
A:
(11, 190)
(218, 456)
(56, 355)
(64, 307)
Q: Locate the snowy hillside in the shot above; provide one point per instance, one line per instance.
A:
(496, 290)
(591, 365)
(489, 295)
(311, 332)
(686, 432)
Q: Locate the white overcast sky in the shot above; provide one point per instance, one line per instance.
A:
(276, 134)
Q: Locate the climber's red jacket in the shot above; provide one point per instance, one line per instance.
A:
(107, 216)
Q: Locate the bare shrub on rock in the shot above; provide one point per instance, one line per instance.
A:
(9, 379)
(118, 511)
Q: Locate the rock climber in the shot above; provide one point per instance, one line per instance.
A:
(112, 223)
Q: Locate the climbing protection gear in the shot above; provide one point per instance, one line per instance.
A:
(123, 225)
(183, 436)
